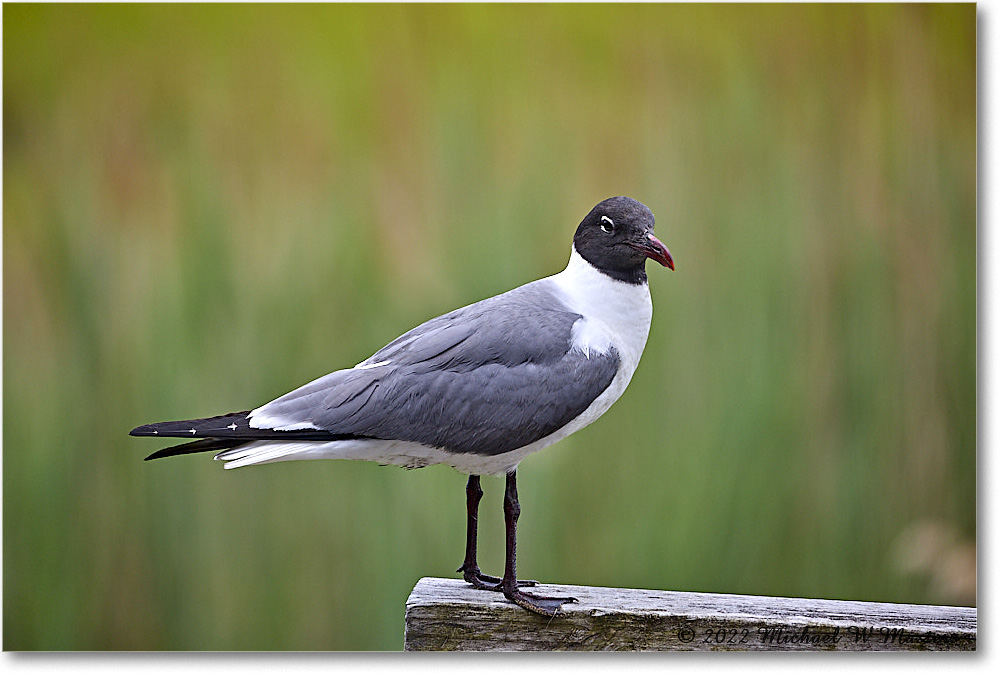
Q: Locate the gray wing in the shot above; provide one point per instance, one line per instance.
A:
(485, 379)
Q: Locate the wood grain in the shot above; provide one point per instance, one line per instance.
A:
(448, 614)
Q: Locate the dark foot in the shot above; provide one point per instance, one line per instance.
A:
(485, 582)
(540, 604)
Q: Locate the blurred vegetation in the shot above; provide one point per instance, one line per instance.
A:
(205, 206)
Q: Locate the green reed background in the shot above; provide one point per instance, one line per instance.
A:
(205, 206)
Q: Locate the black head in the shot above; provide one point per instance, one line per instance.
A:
(616, 237)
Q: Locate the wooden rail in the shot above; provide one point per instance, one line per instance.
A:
(448, 614)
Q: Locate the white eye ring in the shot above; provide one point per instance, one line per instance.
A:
(609, 227)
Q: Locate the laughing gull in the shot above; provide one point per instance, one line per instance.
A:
(478, 389)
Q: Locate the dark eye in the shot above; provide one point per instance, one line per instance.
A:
(607, 224)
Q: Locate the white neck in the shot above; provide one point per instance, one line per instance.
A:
(615, 314)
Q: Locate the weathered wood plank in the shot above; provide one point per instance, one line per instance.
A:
(448, 614)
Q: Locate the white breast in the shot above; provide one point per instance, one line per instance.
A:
(615, 314)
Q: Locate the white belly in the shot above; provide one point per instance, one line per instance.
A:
(416, 455)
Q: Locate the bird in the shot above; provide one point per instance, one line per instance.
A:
(479, 388)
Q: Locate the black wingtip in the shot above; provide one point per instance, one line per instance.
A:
(214, 427)
(202, 445)
(164, 452)
(160, 454)
(223, 432)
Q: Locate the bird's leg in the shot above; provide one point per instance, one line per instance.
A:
(548, 606)
(470, 569)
